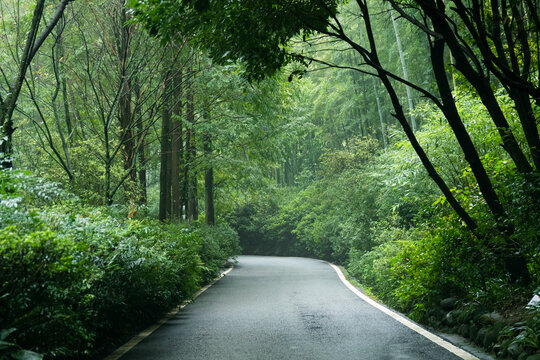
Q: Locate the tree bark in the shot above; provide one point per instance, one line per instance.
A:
(164, 177)
(60, 76)
(467, 146)
(478, 80)
(379, 110)
(404, 68)
(528, 123)
(373, 58)
(191, 153)
(125, 110)
(141, 149)
(209, 181)
(177, 144)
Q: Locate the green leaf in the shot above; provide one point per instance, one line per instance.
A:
(26, 355)
(4, 333)
(6, 345)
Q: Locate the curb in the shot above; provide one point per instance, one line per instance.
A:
(462, 354)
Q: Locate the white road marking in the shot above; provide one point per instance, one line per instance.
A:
(122, 350)
(408, 323)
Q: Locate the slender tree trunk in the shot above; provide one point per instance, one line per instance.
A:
(480, 83)
(9, 103)
(454, 120)
(191, 153)
(31, 46)
(141, 149)
(528, 123)
(125, 115)
(108, 161)
(164, 174)
(400, 116)
(76, 115)
(143, 197)
(286, 171)
(516, 264)
(177, 140)
(65, 97)
(379, 110)
(209, 180)
(403, 67)
(58, 53)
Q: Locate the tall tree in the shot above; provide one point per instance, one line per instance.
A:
(472, 66)
(124, 32)
(190, 174)
(8, 101)
(165, 154)
(404, 68)
(209, 209)
(177, 145)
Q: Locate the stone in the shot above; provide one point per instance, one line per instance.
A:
(473, 332)
(463, 330)
(448, 303)
(490, 318)
(450, 318)
(480, 336)
(514, 350)
(491, 337)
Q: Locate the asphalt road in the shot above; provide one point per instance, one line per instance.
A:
(283, 308)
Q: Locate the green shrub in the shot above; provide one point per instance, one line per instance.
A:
(219, 243)
(75, 278)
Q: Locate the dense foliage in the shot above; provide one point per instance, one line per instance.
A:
(77, 278)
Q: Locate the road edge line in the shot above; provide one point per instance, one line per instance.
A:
(130, 344)
(403, 320)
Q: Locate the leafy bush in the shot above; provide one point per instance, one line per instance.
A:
(75, 278)
(9, 350)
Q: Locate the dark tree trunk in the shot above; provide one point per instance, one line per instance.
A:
(516, 265)
(373, 58)
(191, 153)
(478, 80)
(141, 163)
(65, 97)
(140, 167)
(286, 171)
(125, 116)
(164, 175)
(177, 144)
(209, 182)
(454, 120)
(528, 123)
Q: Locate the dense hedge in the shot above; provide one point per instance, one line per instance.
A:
(74, 279)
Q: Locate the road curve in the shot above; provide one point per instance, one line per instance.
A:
(283, 308)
